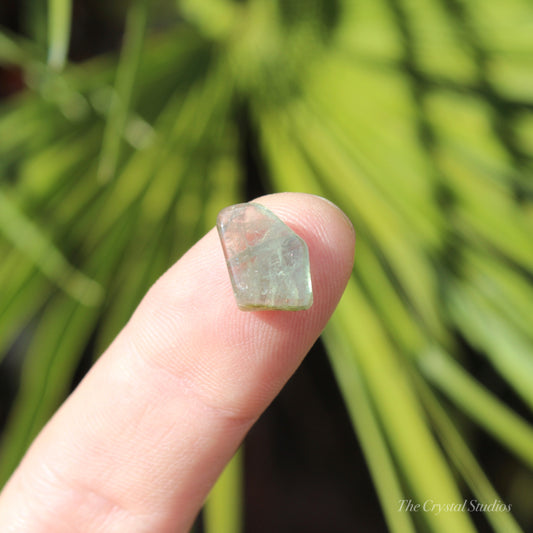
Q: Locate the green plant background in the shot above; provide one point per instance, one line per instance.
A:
(415, 117)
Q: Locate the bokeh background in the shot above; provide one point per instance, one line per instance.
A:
(126, 126)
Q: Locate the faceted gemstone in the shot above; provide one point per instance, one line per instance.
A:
(268, 263)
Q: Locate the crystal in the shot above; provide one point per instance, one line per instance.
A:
(268, 263)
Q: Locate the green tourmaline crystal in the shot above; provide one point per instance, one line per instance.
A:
(268, 263)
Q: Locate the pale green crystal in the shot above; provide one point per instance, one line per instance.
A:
(268, 263)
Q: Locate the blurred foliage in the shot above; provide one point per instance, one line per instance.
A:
(416, 118)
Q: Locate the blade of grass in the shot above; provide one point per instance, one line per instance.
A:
(59, 21)
(24, 294)
(124, 86)
(223, 510)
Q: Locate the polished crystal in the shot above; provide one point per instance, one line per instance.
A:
(268, 263)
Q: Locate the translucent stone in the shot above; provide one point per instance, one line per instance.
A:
(268, 263)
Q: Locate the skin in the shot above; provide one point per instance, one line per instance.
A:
(140, 442)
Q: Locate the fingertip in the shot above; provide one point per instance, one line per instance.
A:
(166, 406)
(262, 347)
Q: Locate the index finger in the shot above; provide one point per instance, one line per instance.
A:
(143, 438)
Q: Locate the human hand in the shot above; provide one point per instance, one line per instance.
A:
(140, 442)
